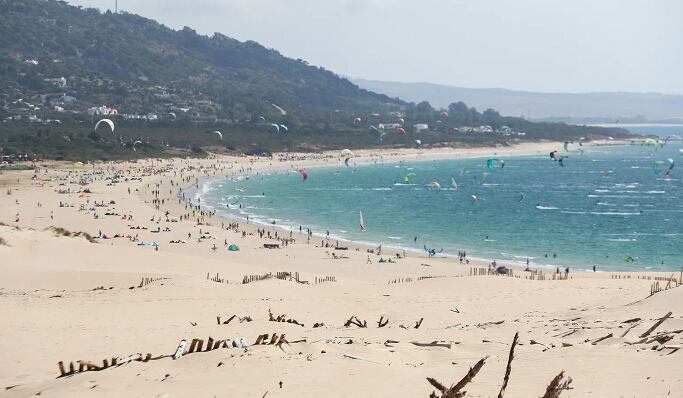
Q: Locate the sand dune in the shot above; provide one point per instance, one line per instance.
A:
(67, 299)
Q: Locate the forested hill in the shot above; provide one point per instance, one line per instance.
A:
(62, 67)
(132, 54)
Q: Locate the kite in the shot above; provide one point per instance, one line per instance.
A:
(106, 121)
(304, 174)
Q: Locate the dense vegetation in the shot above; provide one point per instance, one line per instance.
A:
(178, 86)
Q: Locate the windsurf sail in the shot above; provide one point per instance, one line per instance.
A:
(362, 223)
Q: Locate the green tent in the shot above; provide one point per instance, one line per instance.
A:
(233, 248)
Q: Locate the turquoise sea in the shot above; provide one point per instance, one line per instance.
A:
(610, 206)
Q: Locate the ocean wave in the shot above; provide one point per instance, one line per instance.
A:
(613, 213)
(547, 208)
(620, 196)
(600, 213)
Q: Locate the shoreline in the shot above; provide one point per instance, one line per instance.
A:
(367, 159)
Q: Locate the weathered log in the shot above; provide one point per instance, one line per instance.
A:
(602, 338)
(656, 325)
(508, 369)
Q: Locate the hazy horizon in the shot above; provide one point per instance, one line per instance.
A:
(528, 45)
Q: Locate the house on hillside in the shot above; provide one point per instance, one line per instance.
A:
(420, 127)
(388, 126)
(102, 111)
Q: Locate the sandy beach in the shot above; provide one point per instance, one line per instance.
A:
(333, 324)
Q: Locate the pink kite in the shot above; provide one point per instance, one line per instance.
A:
(304, 173)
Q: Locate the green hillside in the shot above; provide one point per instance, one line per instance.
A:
(60, 65)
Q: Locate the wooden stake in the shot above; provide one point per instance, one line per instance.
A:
(508, 370)
(193, 345)
(656, 325)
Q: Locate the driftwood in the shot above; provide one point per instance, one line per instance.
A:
(534, 342)
(86, 366)
(361, 359)
(656, 325)
(555, 387)
(629, 329)
(565, 334)
(455, 391)
(265, 339)
(355, 321)
(605, 337)
(417, 325)
(218, 319)
(381, 324)
(437, 385)
(508, 369)
(282, 318)
(432, 344)
(489, 323)
(282, 340)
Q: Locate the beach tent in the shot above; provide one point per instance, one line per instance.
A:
(233, 248)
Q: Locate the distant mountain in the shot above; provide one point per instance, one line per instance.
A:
(63, 67)
(588, 107)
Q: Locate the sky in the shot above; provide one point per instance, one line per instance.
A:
(534, 45)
